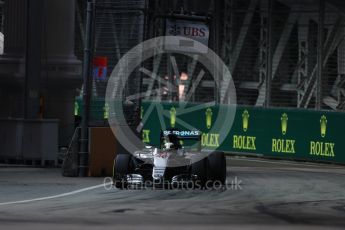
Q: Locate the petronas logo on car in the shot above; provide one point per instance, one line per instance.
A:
(245, 120)
(323, 125)
(284, 123)
(172, 117)
(209, 114)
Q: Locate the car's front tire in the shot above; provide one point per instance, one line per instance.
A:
(199, 169)
(122, 167)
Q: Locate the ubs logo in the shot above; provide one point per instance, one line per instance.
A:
(190, 31)
(175, 30)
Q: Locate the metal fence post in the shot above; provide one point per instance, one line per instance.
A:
(269, 54)
(84, 149)
(320, 54)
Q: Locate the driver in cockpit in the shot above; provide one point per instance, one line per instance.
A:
(172, 142)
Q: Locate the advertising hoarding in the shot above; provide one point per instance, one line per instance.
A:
(195, 30)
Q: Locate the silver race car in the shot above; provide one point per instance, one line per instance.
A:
(172, 165)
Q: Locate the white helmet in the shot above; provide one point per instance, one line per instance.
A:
(168, 145)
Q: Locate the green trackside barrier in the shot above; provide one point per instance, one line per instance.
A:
(281, 133)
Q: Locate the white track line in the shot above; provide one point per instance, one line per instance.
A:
(56, 196)
(286, 163)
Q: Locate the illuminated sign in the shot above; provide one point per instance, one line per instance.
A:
(322, 149)
(106, 111)
(323, 125)
(284, 122)
(100, 68)
(172, 117)
(146, 136)
(76, 109)
(210, 140)
(244, 142)
(208, 118)
(197, 31)
(245, 120)
(283, 146)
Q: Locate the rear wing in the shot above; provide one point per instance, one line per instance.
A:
(190, 139)
(196, 135)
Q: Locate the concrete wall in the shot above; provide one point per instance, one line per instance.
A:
(53, 92)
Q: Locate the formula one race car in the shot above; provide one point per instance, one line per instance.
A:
(172, 165)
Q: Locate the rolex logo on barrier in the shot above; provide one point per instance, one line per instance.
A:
(244, 142)
(283, 145)
(209, 118)
(172, 117)
(323, 125)
(245, 120)
(284, 122)
(210, 140)
(321, 148)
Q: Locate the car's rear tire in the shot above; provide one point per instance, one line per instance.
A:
(199, 168)
(122, 167)
(216, 171)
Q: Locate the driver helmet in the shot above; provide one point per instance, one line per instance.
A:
(168, 145)
(173, 141)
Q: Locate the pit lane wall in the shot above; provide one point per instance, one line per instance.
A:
(280, 133)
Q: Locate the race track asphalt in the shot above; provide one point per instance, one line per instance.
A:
(260, 194)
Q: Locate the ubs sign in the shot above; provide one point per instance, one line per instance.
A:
(197, 31)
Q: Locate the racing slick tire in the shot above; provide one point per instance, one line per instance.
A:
(216, 171)
(199, 168)
(122, 167)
